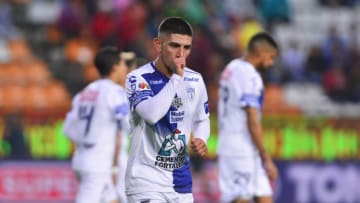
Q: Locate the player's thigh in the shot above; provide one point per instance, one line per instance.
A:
(175, 197)
(95, 188)
(236, 175)
(161, 197)
(146, 197)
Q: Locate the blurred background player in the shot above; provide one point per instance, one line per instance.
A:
(168, 101)
(244, 165)
(99, 114)
(131, 62)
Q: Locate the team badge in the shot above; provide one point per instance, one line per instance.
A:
(191, 92)
(177, 102)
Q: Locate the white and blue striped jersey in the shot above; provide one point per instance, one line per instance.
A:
(97, 113)
(240, 86)
(164, 111)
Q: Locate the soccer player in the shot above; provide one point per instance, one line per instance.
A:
(245, 168)
(98, 115)
(168, 101)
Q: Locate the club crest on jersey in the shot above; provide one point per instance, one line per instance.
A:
(172, 152)
(177, 102)
(191, 92)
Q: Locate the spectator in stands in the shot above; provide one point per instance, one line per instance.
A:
(72, 16)
(293, 62)
(201, 60)
(334, 48)
(240, 9)
(353, 75)
(103, 26)
(315, 65)
(8, 30)
(14, 135)
(131, 26)
(334, 83)
(274, 11)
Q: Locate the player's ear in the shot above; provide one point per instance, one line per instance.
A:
(157, 44)
(258, 52)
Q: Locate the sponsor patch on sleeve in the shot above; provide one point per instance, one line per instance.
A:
(206, 107)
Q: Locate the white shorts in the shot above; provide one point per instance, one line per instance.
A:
(242, 178)
(160, 197)
(95, 187)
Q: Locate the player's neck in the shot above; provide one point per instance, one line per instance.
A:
(161, 67)
(251, 59)
(112, 78)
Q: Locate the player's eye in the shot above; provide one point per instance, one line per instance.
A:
(174, 45)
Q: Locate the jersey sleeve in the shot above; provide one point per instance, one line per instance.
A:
(142, 99)
(250, 91)
(137, 90)
(119, 107)
(201, 121)
(72, 126)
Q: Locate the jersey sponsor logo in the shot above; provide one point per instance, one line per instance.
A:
(172, 152)
(143, 86)
(191, 79)
(132, 79)
(226, 74)
(156, 82)
(206, 107)
(139, 96)
(177, 102)
(242, 179)
(88, 95)
(176, 116)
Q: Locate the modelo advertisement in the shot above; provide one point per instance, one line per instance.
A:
(299, 182)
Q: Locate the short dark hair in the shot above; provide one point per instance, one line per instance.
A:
(262, 37)
(175, 25)
(106, 58)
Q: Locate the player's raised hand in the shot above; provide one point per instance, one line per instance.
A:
(180, 63)
(198, 146)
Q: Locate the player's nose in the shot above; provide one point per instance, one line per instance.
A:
(180, 52)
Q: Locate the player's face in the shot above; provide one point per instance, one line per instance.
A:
(174, 46)
(267, 57)
(121, 71)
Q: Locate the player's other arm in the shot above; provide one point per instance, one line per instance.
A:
(256, 133)
(201, 131)
(153, 108)
(201, 124)
(115, 165)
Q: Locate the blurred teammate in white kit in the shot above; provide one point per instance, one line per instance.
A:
(130, 61)
(95, 123)
(244, 165)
